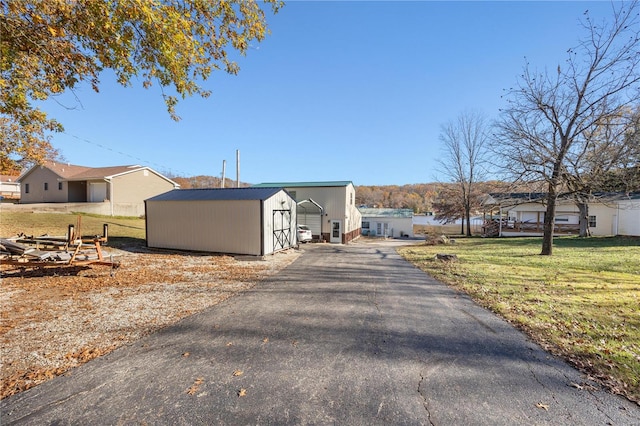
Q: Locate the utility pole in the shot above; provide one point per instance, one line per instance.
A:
(224, 169)
(237, 168)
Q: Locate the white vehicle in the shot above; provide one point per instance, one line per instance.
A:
(304, 234)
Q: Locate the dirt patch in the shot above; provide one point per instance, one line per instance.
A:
(55, 321)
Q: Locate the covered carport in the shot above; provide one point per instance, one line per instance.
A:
(310, 214)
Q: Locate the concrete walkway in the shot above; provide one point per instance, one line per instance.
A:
(349, 335)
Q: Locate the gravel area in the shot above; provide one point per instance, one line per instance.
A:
(55, 320)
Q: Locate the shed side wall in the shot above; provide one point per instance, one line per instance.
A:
(212, 226)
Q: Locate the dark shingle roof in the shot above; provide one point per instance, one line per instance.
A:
(211, 194)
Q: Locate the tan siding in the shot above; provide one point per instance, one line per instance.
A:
(213, 226)
(135, 187)
(36, 179)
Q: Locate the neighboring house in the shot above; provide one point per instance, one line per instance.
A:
(387, 222)
(523, 214)
(327, 208)
(119, 190)
(9, 187)
(251, 221)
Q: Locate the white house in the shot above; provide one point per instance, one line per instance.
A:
(523, 214)
(387, 222)
(327, 208)
(9, 187)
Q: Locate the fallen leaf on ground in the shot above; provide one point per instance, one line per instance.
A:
(544, 406)
(195, 386)
(237, 373)
(242, 392)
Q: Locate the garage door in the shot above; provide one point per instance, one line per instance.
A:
(312, 220)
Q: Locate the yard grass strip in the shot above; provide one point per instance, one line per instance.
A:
(56, 224)
(582, 303)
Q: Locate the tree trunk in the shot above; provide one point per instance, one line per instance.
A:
(462, 225)
(549, 222)
(468, 218)
(583, 208)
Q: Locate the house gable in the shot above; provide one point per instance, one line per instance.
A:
(124, 188)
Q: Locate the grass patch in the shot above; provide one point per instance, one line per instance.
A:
(122, 230)
(582, 303)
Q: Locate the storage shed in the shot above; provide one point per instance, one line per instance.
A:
(252, 221)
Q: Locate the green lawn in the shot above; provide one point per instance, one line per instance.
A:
(121, 229)
(582, 303)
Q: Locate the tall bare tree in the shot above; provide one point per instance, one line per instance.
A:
(544, 132)
(464, 143)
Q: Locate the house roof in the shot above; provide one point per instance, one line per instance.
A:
(216, 194)
(515, 198)
(104, 172)
(337, 183)
(72, 172)
(371, 212)
(8, 178)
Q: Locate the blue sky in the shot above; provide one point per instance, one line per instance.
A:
(339, 91)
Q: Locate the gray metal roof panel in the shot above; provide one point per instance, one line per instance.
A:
(212, 194)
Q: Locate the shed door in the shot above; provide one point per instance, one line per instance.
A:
(282, 228)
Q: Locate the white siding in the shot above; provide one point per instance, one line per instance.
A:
(629, 218)
(338, 203)
(276, 203)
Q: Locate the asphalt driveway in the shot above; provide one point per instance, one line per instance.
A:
(350, 335)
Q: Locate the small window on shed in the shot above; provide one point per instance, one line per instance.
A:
(60, 186)
(46, 186)
(592, 222)
(365, 225)
(26, 188)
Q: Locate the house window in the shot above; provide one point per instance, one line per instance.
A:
(365, 225)
(592, 221)
(26, 188)
(562, 219)
(351, 198)
(46, 186)
(60, 186)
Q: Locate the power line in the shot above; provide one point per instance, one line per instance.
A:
(160, 167)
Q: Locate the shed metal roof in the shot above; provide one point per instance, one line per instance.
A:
(336, 183)
(371, 212)
(212, 194)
